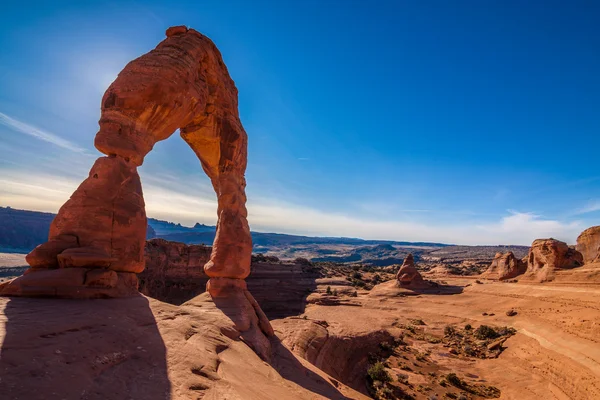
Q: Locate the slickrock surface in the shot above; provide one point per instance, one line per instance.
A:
(588, 244)
(341, 353)
(555, 353)
(505, 266)
(140, 348)
(547, 256)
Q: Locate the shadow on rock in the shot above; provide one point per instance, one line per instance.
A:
(82, 349)
(288, 367)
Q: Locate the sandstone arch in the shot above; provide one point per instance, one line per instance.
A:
(181, 84)
(95, 245)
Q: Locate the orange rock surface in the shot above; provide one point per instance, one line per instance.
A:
(408, 276)
(181, 84)
(588, 244)
(96, 242)
(549, 255)
(505, 266)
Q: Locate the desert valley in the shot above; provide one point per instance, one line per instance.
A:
(414, 320)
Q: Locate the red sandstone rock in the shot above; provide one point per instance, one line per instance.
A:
(548, 255)
(174, 271)
(505, 266)
(408, 276)
(181, 84)
(588, 244)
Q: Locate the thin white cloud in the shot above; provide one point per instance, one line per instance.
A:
(591, 206)
(191, 203)
(38, 133)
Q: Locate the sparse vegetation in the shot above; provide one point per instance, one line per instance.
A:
(486, 332)
(449, 330)
(377, 372)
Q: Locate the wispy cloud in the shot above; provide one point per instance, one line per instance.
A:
(167, 198)
(591, 206)
(22, 127)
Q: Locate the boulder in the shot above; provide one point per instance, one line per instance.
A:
(505, 266)
(408, 276)
(546, 256)
(588, 244)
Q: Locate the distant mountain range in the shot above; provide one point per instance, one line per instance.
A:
(22, 230)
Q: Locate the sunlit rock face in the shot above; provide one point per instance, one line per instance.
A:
(181, 84)
(549, 255)
(96, 243)
(505, 266)
(588, 244)
(408, 276)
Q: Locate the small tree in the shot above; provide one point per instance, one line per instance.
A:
(328, 291)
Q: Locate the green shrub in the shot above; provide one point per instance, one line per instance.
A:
(377, 372)
(328, 291)
(449, 330)
(454, 380)
(468, 327)
(486, 332)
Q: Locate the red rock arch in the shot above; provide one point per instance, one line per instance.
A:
(96, 242)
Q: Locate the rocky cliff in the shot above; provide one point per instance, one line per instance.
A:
(588, 244)
(174, 274)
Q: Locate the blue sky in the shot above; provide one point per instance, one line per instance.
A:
(466, 122)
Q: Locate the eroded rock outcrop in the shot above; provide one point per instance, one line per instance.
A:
(174, 273)
(546, 256)
(342, 354)
(505, 266)
(96, 242)
(408, 276)
(588, 244)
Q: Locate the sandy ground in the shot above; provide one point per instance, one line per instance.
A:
(554, 355)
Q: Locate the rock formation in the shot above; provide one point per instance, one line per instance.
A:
(505, 266)
(548, 255)
(174, 274)
(408, 276)
(341, 353)
(174, 271)
(588, 244)
(95, 245)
